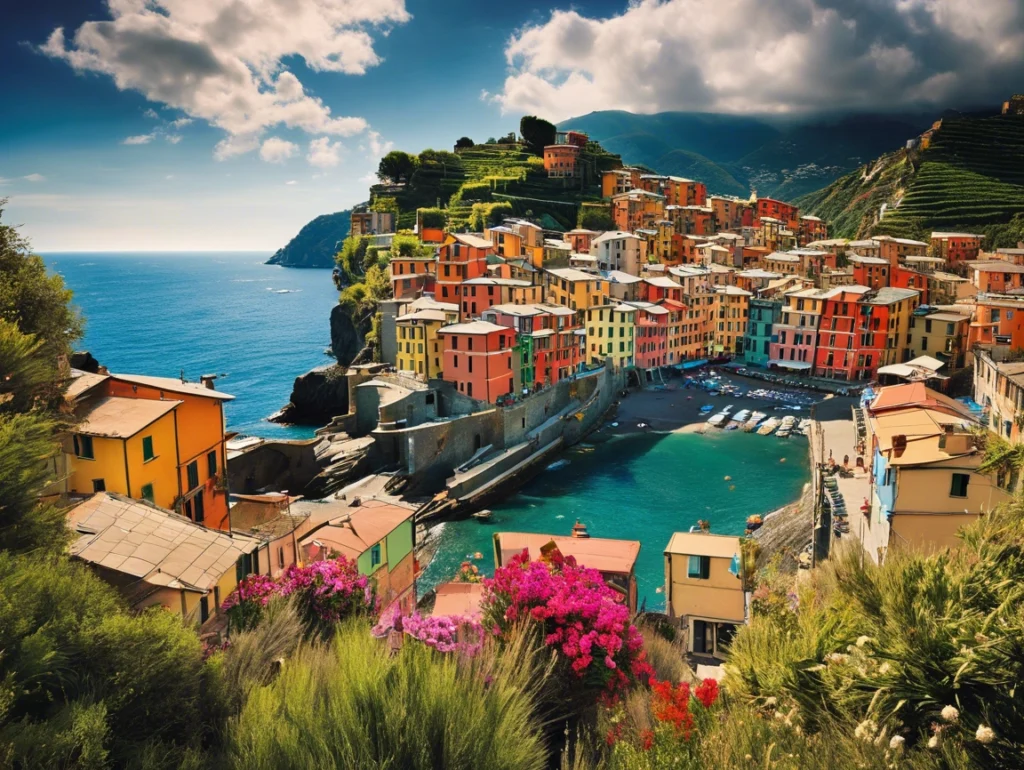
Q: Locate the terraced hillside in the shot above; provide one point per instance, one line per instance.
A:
(472, 181)
(970, 177)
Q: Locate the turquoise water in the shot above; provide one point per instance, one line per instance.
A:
(640, 487)
(213, 313)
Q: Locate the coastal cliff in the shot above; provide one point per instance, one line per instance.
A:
(317, 397)
(316, 243)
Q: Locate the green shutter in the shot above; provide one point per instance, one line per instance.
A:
(147, 492)
(147, 448)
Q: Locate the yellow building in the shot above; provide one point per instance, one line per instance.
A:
(705, 590)
(419, 348)
(155, 557)
(925, 482)
(731, 323)
(574, 288)
(137, 427)
(128, 446)
(942, 336)
(901, 304)
(611, 331)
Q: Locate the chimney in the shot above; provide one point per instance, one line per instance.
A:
(207, 380)
(899, 444)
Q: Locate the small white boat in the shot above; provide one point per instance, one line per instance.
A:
(557, 464)
(753, 422)
(718, 419)
(768, 426)
(786, 427)
(741, 416)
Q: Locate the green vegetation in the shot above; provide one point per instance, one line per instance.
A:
(970, 178)
(537, 133)
(317, 242)
(397, 167)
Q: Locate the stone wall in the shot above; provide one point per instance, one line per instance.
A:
(273, 465)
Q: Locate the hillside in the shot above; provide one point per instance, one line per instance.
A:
(316, 243)
(735, 154)
(503, 178)
(968, 175)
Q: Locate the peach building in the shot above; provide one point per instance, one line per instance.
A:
(562, 160)
(460, 258)
(478, 359)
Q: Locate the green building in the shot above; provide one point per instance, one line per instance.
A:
(764, 313)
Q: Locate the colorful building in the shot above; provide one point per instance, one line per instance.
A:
(787, 214)
(705, 590)
(575, 289)
(999, 388)
(371, 223)
(411, 277)
(650, 345)
(157, 558)
(579, 239)
(851, 335)
(955, 248)
(811, 229)
(479, 294)
(797, 331)
(617, 250)
(637, 209)
(419, 346)
(461, 257)
(478, 359)
(996, 276)
(619, 180)
(562, 160)
(379, 537)
(998, 320)
(731, 325)
(926, 482)
(764, 313)
(611, 331)
(547, 340)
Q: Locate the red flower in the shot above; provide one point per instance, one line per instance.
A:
(672, 706)
(647, 739)
(613, 735)
(707, 692)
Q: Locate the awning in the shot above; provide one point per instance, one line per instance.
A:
(694, 364)
(796, 365)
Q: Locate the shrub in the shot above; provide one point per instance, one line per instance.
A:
(352, 704)
(244, 607)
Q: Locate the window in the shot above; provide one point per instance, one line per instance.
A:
(99, 485)
(959, 485)
(211, 463)
(280, 556)
(83, 447)
(699, 567)
(147, 492)
(193, 474)
(374, 555)
(147, 449)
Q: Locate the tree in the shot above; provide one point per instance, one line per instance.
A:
(396, 167)
(595, 218)
(537, 133)
(464, 143)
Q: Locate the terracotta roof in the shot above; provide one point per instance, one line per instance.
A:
(995, 266)
(156, 546)
(703, 544)
(173, 385)
(114, 417)
(916, 394)
(600, 553)
(462, 599)
(353, 529)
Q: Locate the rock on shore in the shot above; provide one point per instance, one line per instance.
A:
(317, 397)
(346, 340)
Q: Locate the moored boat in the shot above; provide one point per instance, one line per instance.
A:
(754, 421)
(768, 426)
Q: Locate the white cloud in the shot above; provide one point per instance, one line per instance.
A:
(169, 176)
(173, 138)
(34, 178)
(276, 150)
(139, 139)
(181, 122)
(291, 181)
(323, 153)
(221, 60)
(151, 113)
(765, 56)
(378, 147)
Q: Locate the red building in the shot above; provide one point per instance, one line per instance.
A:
(811, 229)
(956, 247)
(460, 258)
(411, 277)
(657, 288)
(561, 160)
(851, 335)
(580, 238)
(786, 213)
(650, 345)
(478, 359)
(878, 273)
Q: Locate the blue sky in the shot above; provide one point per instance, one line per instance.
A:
(213, 124)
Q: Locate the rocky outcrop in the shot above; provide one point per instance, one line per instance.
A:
(317, 242)
(346, 339)
(83, 361)
(317, 397)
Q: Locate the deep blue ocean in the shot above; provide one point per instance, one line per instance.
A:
(222, 313)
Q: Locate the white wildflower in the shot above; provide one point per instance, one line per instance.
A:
(896, 742)
(835, 657)
(985, 734)
(770, 701)
(950, 713)
(934, 741)
(884, 668)
(862, 640)
(865, 730)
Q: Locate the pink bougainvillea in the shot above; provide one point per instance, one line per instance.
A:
(583, 618)
(244, 607)
(445, 633)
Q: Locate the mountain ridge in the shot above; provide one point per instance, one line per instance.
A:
(315, 245)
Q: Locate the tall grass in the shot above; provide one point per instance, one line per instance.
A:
(353, 704)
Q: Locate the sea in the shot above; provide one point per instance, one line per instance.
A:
(256, 326)
(644, 487)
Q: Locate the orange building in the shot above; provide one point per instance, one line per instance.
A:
(811, 229)
(786, 213)
(580, 239)
(727, 212)
(996, 277)
(637, 209)
(956, 247)
(478, 359)
(691, 220)
(460, 258)
(412, 276)
(562, 160)
(619, 180)
(997, 321)
(201, 456)
(481, 294)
